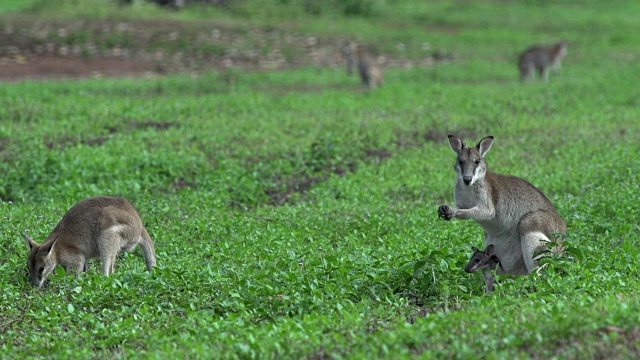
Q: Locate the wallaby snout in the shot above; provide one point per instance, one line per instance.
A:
(467, 180)
(472, 267)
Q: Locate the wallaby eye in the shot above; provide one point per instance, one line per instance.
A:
(477, 260)
(41, 270)
(477, 162)
(461, 163)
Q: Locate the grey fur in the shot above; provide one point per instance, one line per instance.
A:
(488, 262)
(101, 227)
(517, 218)
(541, 59)
(370, 68)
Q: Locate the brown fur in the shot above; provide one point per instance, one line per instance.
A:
(348, 49)
(101, 227)
(517, 218)
(370, 68)
(541, 59)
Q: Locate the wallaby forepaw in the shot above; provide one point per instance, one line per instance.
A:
(446, 212)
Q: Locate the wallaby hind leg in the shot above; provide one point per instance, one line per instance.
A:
(544, 73)
(526, 73)
(108, 263)
(109, 244)
(532, 242)
(148, 250)
(533, 229)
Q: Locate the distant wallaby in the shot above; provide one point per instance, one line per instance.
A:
(541, 59)
(517, 218)
(488, 262)
(348, 49)
(99, 226)
(369, 67)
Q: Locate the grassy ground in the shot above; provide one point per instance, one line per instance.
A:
(294, 215)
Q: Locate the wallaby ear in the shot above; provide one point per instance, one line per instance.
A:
(47, 246)
(475, 249)
(489, 250)
(30, 241)
(456, 144)
(484, 145)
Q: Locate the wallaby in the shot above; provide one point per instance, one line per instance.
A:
(517, 218)
(348, 49)
(541, 58)
(99, 226)
(370, 69)
(488, 262)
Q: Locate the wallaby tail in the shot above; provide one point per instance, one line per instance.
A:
(148, 249)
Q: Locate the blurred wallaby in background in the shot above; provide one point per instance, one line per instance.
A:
(369, 66)
(541, 59)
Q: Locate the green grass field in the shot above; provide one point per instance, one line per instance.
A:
(295, 215)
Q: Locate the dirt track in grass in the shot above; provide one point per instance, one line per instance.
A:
(32, 48)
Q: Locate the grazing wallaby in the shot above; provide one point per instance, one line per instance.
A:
(99, 226)
(369, 67)
(517, 218)
(488, 262)
(541, 59)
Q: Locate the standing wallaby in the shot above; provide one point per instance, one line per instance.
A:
(541, 59)
(348, 49)
(517, 218)
(99, 226)
(488, 262)
(370, 69)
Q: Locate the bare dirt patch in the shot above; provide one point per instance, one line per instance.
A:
(66, 141)
(57, 68)
(181, 184)
(379, 154)
(36, 48)
(158, 125)
(322, 163)
(288, 187)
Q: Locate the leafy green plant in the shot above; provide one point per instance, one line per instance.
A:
(294, 215)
